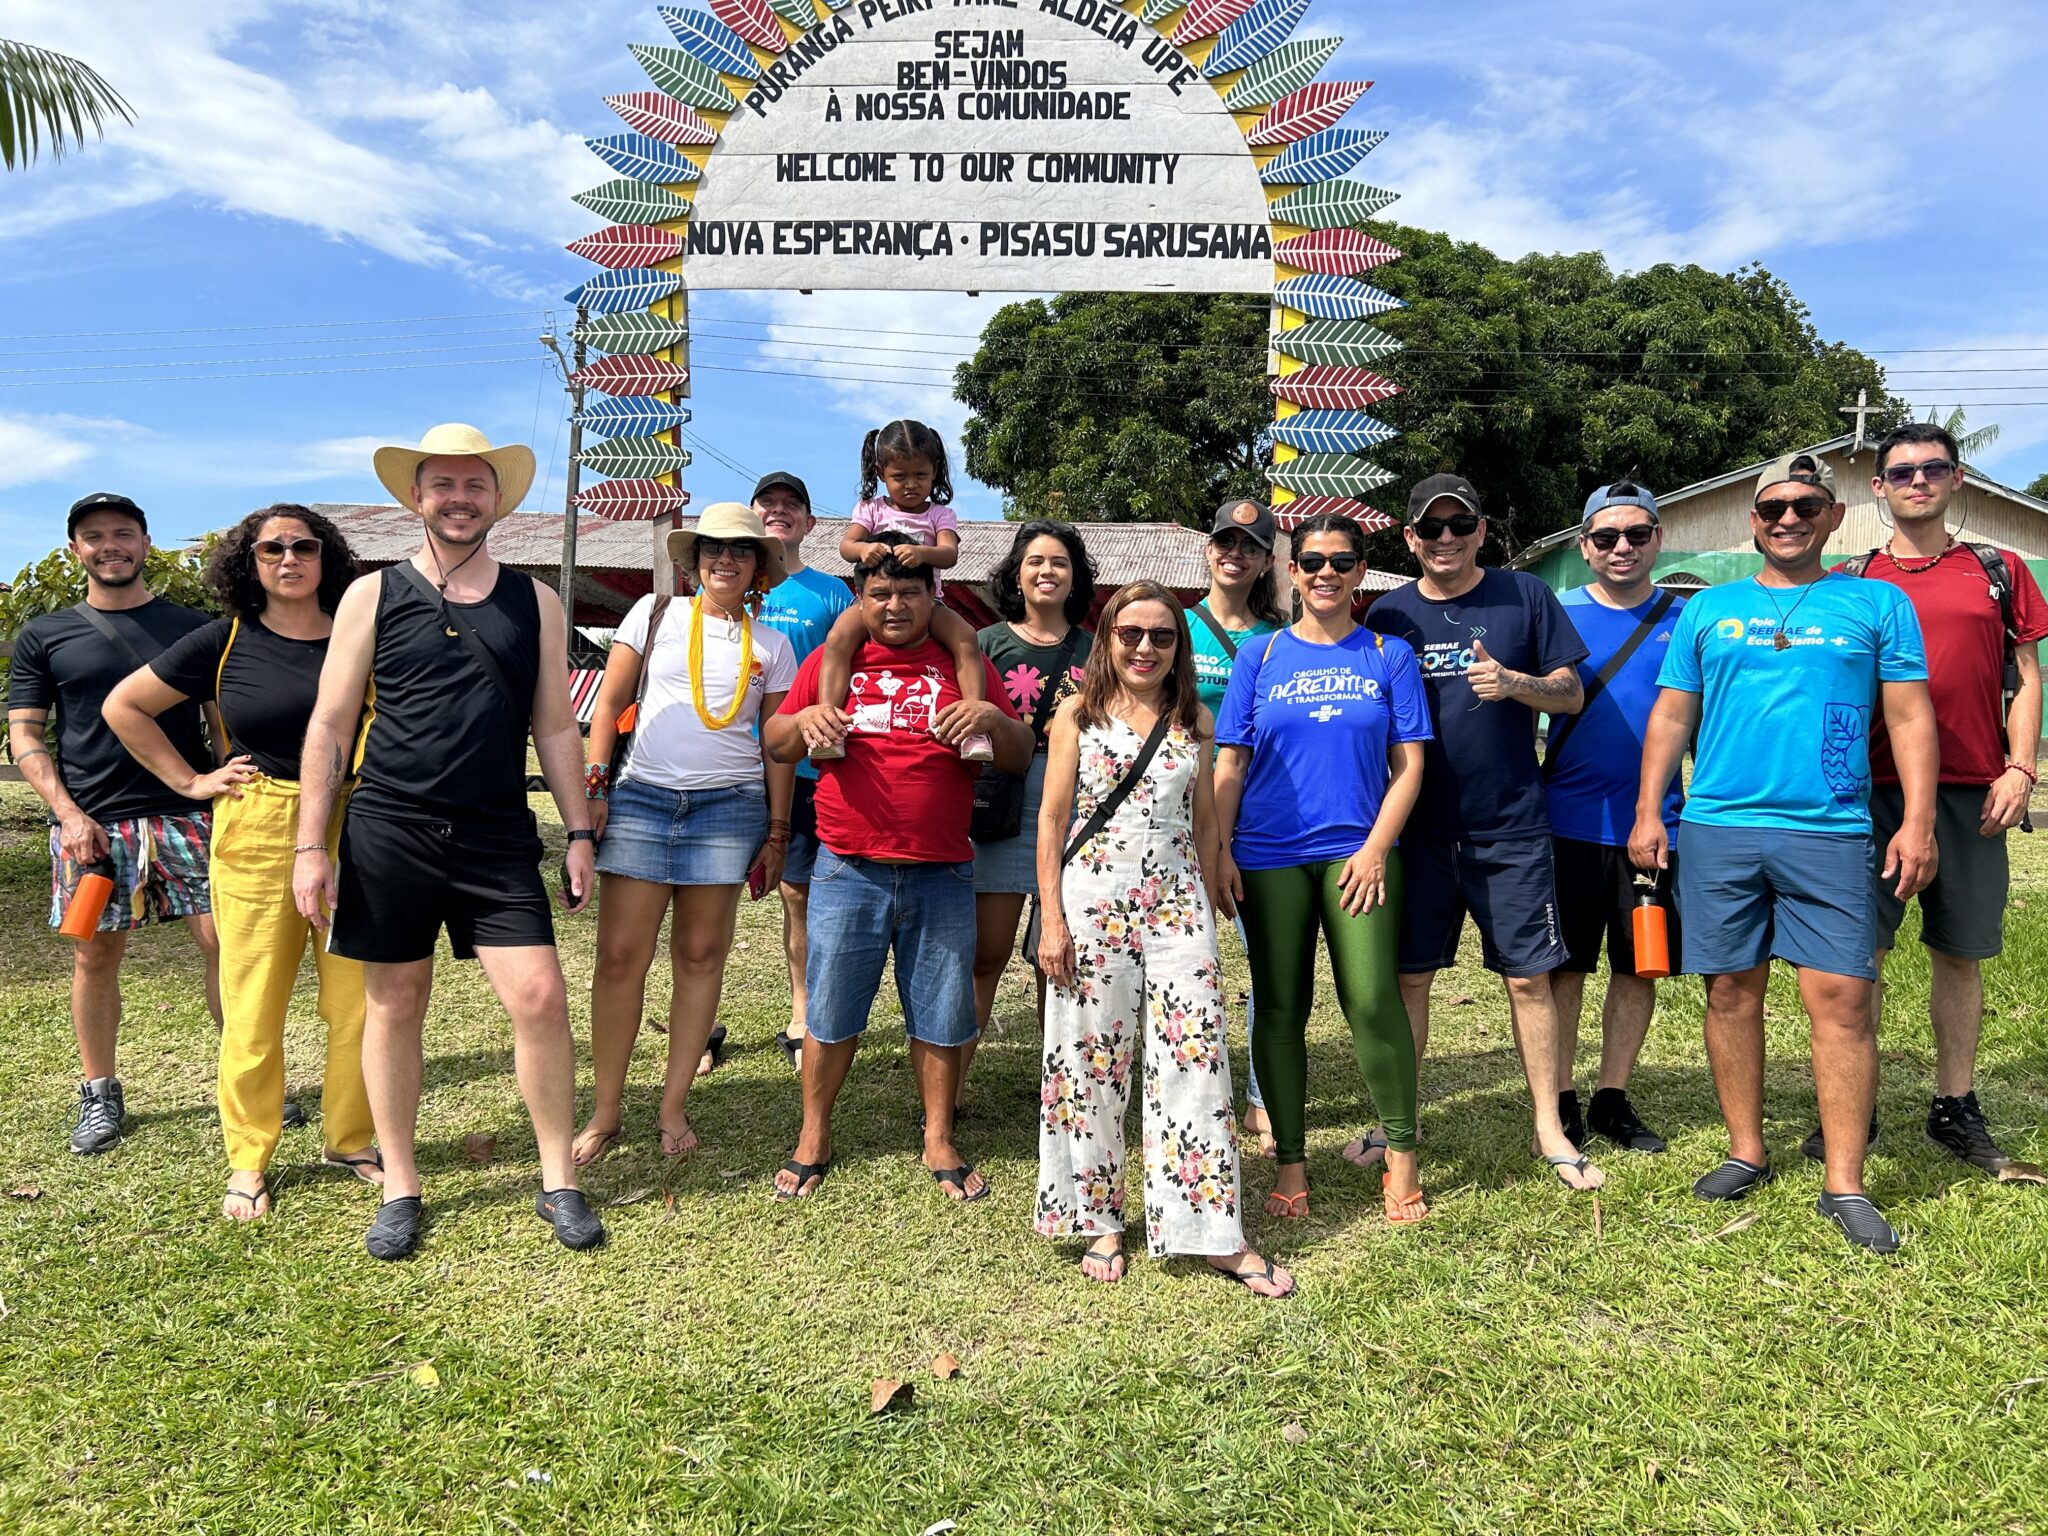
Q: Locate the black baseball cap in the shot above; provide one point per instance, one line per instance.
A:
(1243, 515)
(782, 477)
(102, 501)
(1457, 487)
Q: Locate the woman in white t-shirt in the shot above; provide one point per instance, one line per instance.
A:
(697, 812)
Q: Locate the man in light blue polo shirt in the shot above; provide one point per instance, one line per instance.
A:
(1781, 673)
(802, 607)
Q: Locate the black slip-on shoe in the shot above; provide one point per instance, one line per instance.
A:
(294, 1115)
(396, 1231)
(1613, 1116)
(1861, 1221)
(575, 1223)
(1815, 1147)
(1731, 1180)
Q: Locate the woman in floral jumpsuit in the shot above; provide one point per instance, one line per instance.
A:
(1129, 945)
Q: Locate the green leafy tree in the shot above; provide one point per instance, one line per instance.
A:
(1139, 407)
(58, 581)
(50, 96)
(1956, 423)
(2038, 487)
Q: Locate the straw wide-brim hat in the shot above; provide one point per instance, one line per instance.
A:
(729, 520)
(397, 466)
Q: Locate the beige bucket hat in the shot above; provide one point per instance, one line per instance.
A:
(729, 520)
(513, 464)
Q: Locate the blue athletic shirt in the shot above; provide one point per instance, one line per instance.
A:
(1319, 720)
(803, 608)
(1480, 778)
(1785, 735)
(1591, 781)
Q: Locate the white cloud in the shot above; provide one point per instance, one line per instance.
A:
(34, 449)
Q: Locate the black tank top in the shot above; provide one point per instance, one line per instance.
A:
(443, 743)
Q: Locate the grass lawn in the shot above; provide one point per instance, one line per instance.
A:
(1525, 1361)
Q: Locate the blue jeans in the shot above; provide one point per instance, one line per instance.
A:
(861, 911)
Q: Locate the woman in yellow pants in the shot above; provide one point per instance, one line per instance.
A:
(278, 574)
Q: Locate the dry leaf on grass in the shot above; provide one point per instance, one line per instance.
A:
(2012, 1171)
(1294, 1434)
(1463, 1000)
(656, 1027)
(26, 1192)
(945, 1367)
(1746, 1219)
(887, 1392)
(424, 1375)
(633, 1197)
(478, 1147)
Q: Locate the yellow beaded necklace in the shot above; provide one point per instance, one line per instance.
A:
(739, 693)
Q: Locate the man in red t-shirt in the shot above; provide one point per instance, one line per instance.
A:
(1987, 766)
(895, 870)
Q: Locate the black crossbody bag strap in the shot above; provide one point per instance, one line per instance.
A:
(1615, 663)
(1222, 635)
(104, 625)
(1121, 793)
(471, 640)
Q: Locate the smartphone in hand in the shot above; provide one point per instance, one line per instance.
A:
(757, 882)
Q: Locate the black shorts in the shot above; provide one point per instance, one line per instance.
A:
(401, 882)
(1507, 887)
(1596, 900)
(1962, 912)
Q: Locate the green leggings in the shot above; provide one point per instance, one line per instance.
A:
(1283, 909)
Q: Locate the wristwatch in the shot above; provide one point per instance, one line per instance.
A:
(582, 835)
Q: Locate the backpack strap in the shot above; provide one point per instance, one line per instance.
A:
(1857, 565)
(1201, 611)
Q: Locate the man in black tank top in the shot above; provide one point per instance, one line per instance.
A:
(460, 660)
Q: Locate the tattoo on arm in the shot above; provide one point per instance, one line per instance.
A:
(22, 757)
(1550, 687)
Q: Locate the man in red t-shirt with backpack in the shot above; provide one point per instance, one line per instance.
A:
(1982, 616)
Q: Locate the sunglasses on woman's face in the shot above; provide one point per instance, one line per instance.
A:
(715, 549)
(1637, 534)
(273, 551)
(1937, 471)
(1230, 540)
(1313, 562)
(1462, 525)
(1131, 636)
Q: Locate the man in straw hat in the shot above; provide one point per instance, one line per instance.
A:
(469, 659)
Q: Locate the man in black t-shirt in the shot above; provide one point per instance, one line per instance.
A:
(108, 813)
(1496, 649)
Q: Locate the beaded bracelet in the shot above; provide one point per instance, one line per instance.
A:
(597, 780)
(2032, 778)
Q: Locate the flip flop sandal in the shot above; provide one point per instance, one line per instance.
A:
(1245, 1277)
(604, 1145)
(957, 1178)
(1372, 1148)
(714, 1047)
(356, 1162)
(1283, 1206)
(1401, 1209)
(1580, 1162)
(1108, 1260)
(790, 1044)
(255, 1199)
(668, 1136)
(804, 1172)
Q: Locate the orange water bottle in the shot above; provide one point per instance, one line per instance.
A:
(1652, 936)
(82, 912)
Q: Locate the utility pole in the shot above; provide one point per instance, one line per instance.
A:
(1861, 411)
(573, 476)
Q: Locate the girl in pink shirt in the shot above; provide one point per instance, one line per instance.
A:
(908, 460)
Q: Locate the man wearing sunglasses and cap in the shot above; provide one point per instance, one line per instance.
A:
(1496, 650)
(1591, 764)
(1982, 617)
(1782, 674)
(470, 660)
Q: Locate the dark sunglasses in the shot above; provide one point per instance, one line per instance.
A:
(1937, 472)
(1230, 539)
(273, 551)
(1315, 560)
(714, 548)
(1637, 534)
(1462, 525)
(1131, 636)
(1806, 509)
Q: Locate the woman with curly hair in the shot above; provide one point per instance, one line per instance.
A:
(1044, 589)
(278, 575)
(1128, 856)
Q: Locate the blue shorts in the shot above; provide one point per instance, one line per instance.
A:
(802, 855)
(1751, 893)
(1010, 867)
(683, 836)
(860, 912)
(1508, 886)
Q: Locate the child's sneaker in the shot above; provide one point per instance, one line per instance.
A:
(978, 748)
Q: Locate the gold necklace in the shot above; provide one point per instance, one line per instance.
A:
(739, 692)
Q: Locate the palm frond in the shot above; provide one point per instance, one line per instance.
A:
(48, 97)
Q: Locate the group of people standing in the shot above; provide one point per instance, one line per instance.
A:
(910, 787)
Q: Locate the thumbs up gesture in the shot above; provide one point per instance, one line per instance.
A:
(1489, 679)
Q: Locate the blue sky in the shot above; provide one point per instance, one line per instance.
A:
(336, 222)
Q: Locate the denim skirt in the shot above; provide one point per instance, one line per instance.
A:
(1011, 866)
(683, 836)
